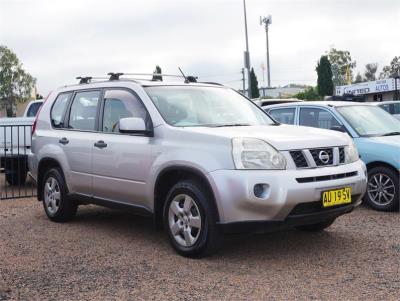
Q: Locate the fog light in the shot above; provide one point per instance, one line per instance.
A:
(260, 190)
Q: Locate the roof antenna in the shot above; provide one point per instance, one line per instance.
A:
(183, 74)
(189, 78)
(114, 76)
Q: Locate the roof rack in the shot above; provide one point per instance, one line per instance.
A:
(88, 79)
(211, 83)
(114, 76)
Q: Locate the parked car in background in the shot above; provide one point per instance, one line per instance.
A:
(201, 159)
(15, 143)
(392, 107)
(376, 134)
(264, 102)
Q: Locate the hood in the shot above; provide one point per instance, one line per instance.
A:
(386, 140)
(282, 137)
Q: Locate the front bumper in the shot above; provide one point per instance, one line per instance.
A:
(237, 203)
(292, 220)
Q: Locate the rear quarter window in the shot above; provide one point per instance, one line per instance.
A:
(58, 110)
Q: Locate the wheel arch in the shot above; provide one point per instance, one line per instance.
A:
(44, 165)
(168, 177)
(374, 164)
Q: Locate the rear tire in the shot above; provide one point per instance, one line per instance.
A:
(16, 178)
(56, 203)
(190, 219)
(318, 227)
(383, 189)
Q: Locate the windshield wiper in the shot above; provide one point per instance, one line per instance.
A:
(391, 134)
(232, 124)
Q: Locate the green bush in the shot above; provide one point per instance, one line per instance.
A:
(309, 94)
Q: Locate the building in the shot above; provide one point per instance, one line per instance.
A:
(379, 90)
(280, 92)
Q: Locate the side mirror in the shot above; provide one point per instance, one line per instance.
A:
(339, 128)
(132, 125)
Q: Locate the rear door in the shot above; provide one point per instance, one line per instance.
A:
(121, 162)
(76, 136)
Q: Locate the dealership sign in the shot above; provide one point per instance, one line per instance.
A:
(378, 86)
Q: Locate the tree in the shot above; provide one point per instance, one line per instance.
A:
(341, 64)
(324, 71)
(157, 71)
(359, 78)
(370, 72)
(16, 85)
(255, 92)
(392, 70)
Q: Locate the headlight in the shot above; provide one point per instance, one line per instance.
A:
(251, 153)
(351, 153)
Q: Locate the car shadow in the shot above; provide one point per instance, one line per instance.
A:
(283, 244)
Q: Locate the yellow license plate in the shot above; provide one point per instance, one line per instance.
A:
(336, 197)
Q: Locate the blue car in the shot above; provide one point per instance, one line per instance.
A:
(375, 132)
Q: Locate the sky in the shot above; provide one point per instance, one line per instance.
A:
(57, 40)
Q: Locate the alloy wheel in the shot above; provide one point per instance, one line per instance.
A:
(381, 189)
(52, 195)
(184, 220)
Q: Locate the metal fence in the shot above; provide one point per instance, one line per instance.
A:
(15, 145)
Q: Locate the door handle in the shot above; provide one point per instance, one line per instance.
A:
(63, 141)
(100, 144)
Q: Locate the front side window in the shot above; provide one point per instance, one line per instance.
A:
(370, 121)
(120, 104)
(83, 111)
(284, 115)
(318, 118)
(185, 106)
(58, 110)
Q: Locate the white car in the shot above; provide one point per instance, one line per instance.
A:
(15, 143)
(200, 158)
(392, 107)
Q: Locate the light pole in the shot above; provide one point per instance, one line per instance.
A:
(247, 53)
(267, 21)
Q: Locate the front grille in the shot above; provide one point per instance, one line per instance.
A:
(316, 207)
(326, 178)
(299, 159)
(341, 155)
(322, 156)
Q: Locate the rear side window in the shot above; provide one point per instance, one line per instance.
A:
(396, 108)
(84, 110)
(58, 110)
(386, 107)
(317, 118)
(285, 115)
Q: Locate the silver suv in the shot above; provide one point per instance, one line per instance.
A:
(199, 158)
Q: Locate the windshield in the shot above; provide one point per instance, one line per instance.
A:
(33, 109)
(205, 106)
(370, 120)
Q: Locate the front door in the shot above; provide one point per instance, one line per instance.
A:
(121, 162)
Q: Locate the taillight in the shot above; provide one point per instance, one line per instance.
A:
(37, 114)
(34, 123)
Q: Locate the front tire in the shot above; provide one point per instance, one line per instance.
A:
(190, 219)
(57, 205)
(383, 189)
(318, 227)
